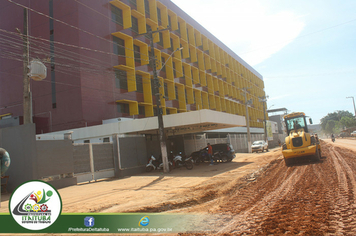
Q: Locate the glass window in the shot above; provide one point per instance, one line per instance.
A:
(139, 84)
(123, 108)
(137, 53)
(116, 15)
(118, 46)
(121, 79)
(134, 27)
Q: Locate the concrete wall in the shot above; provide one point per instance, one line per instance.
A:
(20, 143)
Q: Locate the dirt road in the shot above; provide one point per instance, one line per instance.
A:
(255, 194)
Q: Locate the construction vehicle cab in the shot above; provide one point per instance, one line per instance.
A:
(299, 141)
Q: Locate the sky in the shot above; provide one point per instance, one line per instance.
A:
(305, 50)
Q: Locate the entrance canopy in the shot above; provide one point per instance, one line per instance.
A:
(183, 123)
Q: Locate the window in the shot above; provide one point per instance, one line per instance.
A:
(160, 39)
(116, 15)
(123, 108)
(159, 16)
(141, 110)
(176, 89)
(119, 46)
(106, 140)
(137, 54)
(133, 3)
(165, 90)
(164, 66)
(147, 8)
(134, 27)
(174, 69)
(169, 22)
(139, 84)
(87, 141)
(121, 79)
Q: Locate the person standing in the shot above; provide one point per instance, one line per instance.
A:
(210, 154)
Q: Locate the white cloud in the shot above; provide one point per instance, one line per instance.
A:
(247, 27)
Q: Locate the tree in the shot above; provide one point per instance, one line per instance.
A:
(339, 118)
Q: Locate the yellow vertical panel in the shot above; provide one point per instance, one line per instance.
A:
(140, 6)
(202, 76)
(181, 97)
(193, 54)
(221, 88)
(129, 52)
(171, 90)
(207, 62)
(188, 74)
(191, 36)
(213, 65)
(205, 99)
(178, 67)
(228, 75)
(183, 29)
(228, 107)
(164, 14)
(216, 84)
(174, 20)
(217, 103)
(153, 10)
(195, 75)
(146, 83)
(210, 83)
(222, 57)
(212, 104)
(232, 107)
(190, 95)
(176, 44)
(149, 111)
(131, 80)
(218, 68)
(217, 53)
(198, 100)
(205, 43)
(185, 50)
(229, 87)
(223, 104)
(211, 48)
(133, 106)
(168, 66)
(198, 38)
(234, 92)
(166, 39)
(126, 13)
(200, 60)
(226, 89)
(223, 71)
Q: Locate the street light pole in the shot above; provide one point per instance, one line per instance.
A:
(247, 121)
(264, 100)
(353, 100)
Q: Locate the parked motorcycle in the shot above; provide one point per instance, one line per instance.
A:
(154, 164)
(179, 161)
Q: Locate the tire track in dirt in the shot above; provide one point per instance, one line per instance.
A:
(250, 219)
(344, 212)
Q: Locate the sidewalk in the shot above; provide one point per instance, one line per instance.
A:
(147, 189)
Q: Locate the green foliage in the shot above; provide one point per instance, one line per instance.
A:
(336, 121)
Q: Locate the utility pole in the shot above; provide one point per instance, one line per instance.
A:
(27, 110)
(264, 100)
(247, 120)
(353, 100)
(162, 138)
